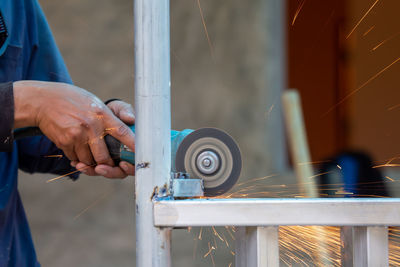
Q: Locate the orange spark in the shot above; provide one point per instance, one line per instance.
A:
(226, 241)
(54, 156)
(92, 205)
(205, 30)
(195, 249)
(215, 242)
(229, 232)
(313, 162)
(210, 249)
(386, 165)
(257, 179)
(341, 191)
(390, 179)
(216, 234)
(61, 176)
(393, 107)
(368, 31)
(110, 129)
(385, 41)
(362, 86)
(64, 175)
(269, 110)
(298, 11)
(301, 245)
(200, 233)
(319, 174)
(96, 139)
(363, 17)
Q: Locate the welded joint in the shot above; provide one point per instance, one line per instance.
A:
(160, 193)
(182, 186)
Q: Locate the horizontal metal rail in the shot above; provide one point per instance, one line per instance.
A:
(277, 212)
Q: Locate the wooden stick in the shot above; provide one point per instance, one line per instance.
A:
(298, 144)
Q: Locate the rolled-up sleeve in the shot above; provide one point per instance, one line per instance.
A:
(6, 116)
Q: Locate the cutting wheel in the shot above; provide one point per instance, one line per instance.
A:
(212, 155)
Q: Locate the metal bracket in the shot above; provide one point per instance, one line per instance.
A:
(183, 186)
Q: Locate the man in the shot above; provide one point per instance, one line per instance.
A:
(36, 90)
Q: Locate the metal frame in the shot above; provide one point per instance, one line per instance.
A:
(257, 245)
(364, 235)
(273, 212)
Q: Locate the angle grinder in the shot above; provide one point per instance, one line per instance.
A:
(207, 153)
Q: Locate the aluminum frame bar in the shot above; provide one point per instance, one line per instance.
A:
(370, 246)
(272, 212)
(346, 251)
(257, 247)
(153, 127)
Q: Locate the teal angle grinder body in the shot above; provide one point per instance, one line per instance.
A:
(120, 152)
(207, 153)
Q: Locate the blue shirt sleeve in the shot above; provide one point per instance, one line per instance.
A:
(45, 64)
(7, 116)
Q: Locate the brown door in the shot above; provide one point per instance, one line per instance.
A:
(316, 64)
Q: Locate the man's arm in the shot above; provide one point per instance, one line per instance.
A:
(74, 119)
(38, 154)
(30, 162)
(46, 64)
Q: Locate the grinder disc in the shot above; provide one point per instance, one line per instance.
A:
(212, 155)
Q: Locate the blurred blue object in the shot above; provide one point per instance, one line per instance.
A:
(351, 174)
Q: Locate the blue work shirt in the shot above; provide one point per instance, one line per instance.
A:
(31, 54)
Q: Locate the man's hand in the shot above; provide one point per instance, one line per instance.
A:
(125, 112)
(74, 119)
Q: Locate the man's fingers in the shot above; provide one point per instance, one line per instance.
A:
(99, 151)
(70, 154)
(123, 111)
(84, 154)
(129, 169)
(127, 117)
(88, 170)
(123, 133)
(122, 171)
(110, 172)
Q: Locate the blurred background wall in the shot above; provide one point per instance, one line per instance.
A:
(91, 222)
(374, 110)
(222, 84)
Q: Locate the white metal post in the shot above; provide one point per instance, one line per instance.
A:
(153, 126)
